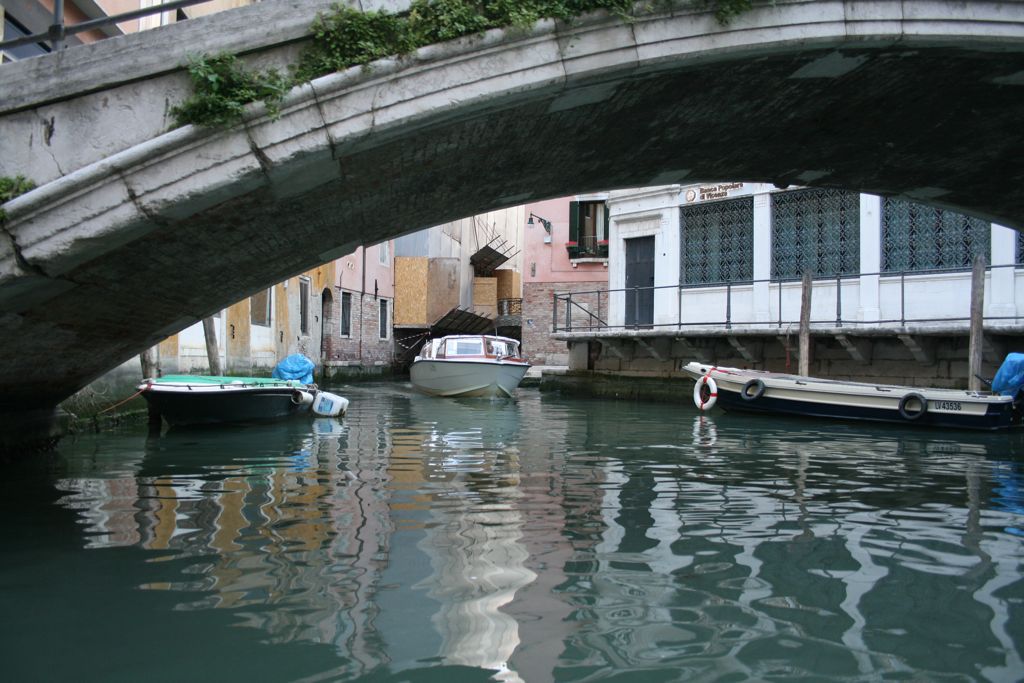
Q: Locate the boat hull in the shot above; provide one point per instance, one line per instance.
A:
(810, 397)
(467, 378)
(201, 404)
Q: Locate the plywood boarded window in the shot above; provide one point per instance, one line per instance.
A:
(259, 308)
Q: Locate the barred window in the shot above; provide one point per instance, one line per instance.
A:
(304, 283)
(718, 241)
(346, 314)
(918, 237)
(815, 230)
(383, 322)
(1020, 248)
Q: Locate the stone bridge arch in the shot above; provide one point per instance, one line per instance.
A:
(918, 98)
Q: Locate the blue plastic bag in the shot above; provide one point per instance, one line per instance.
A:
(295, 366)
(1010, 377)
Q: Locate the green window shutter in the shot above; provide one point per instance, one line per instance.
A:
(607, 224)
(574, 222)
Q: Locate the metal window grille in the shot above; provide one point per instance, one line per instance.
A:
(1020, 248)
(918, 237)
(816, 230)
(718, 241)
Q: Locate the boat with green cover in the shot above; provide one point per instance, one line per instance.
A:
(206, 399)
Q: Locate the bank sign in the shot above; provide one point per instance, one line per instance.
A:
(703, 193)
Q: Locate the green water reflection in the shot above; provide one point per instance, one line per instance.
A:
(543, 539)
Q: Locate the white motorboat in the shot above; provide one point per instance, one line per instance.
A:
(770, 392)
(469, 365)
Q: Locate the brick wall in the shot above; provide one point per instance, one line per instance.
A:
(538, 304)
(364, 344)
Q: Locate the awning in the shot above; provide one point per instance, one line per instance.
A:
(461, 321)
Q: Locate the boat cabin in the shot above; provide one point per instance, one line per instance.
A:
(469, 346)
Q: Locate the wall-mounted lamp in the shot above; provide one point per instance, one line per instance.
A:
(545, 223)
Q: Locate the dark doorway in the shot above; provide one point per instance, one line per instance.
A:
(640, 282)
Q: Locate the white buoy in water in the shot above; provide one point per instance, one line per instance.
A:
(329, 405)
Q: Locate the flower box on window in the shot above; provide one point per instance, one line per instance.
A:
(573, 248)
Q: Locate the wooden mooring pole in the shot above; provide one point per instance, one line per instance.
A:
(151, 369)
(805, 326)
(212, 352)
(974, 348)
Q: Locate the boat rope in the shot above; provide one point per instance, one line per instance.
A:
(413, 342)
(121, 402)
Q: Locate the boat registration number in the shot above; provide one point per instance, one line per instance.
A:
(948, 405)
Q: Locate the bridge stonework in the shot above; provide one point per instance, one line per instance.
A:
(136, 233)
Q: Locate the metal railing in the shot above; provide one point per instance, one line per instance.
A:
(582, 310)
(59, 30)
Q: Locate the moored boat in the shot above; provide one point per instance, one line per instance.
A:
(204, 399)
(770, 392)
(469, 365)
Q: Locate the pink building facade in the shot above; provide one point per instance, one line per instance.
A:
(358, 313)
(565, 250)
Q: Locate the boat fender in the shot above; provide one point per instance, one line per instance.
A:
(913, 414)
(302, 398)
(705, 392)
(752, 390)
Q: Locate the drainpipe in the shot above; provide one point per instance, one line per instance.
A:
(56, 29)
(362, 296)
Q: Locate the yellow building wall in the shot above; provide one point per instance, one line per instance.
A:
(237, 330)
(168, 352)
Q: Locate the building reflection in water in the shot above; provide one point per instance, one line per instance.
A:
(540, 540)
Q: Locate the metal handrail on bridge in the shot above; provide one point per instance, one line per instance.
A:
(568, 304)
(59, 30)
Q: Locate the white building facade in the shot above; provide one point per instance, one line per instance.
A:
(732, 255)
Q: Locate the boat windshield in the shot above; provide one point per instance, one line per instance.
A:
(501, 347)
(465, 347)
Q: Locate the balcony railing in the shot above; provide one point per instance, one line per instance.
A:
(587, 246)
(59, 30)
(590, 310)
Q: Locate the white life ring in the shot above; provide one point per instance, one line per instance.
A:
(698, 392)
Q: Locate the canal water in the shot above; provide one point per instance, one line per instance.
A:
(541, 539)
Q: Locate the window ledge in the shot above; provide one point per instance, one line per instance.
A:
(589, 259)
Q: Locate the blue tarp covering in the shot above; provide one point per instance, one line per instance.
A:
(295, 366)
(1010, 377)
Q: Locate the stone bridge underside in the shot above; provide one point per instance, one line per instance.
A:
(921, 99)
